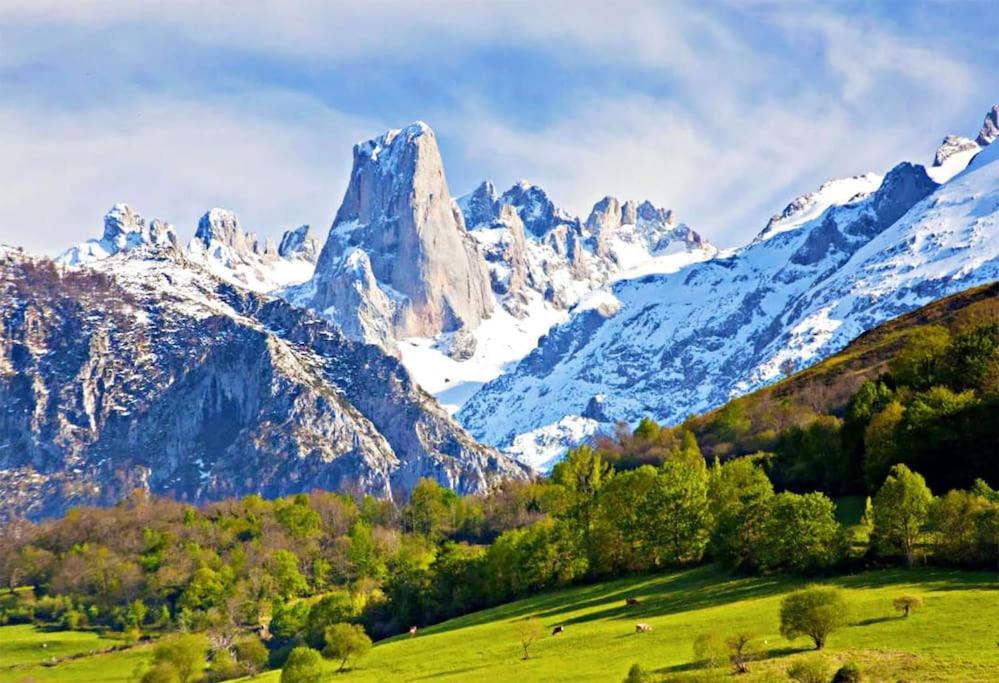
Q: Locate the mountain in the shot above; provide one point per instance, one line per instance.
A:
(833, 264)
(460, 289)
(124, 230)
(219, 244)
(398, 241)
(145, 370)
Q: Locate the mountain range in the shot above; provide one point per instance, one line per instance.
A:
(438, 336)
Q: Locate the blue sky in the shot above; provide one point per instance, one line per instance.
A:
(722, 111)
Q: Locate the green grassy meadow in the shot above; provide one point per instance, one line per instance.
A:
(23, 657)
(953, 637)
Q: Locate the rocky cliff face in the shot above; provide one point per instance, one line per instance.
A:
(145, 370)
(990, 128)
(299, 243)
(398, 210)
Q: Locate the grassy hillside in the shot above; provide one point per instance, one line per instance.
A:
(826, 386)
(30, 654)
(936, 370)
(953, 637)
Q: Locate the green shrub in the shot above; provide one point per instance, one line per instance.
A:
(636, 674)
(815, 611)
(812, 670)
(848, 673)
(344, 641)
(710, 650)
(163, 672)
(304, 665)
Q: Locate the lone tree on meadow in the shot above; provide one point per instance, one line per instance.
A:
(344, 641)
(529, 630)
(304, 665)
(742, 650)
(907, 603)
(815, 612)
(901, 508)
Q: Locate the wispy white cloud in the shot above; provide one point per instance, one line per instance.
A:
(722, 112)
(171, 159)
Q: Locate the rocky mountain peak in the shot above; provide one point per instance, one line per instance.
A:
(606, 215)
(647, 211)
(398, 209)
(222, 226)
(951, 145)
(299, 243)
(481, 205)
(903, 186)
(121, 222)
(124, 230)
(536, 209)
(990, 128)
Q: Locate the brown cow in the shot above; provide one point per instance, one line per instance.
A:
(557, 630)
(642, 628)
(631, 602)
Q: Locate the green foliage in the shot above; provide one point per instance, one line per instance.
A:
(344, 642)
(739, 494)
(332, 608)
(304, 665)
(710, 650)
(901, 508)
(848, 673)
(162, 672)
(252, 654)
(815, 612)
(675, 513)
(186, 653)
(529, 630)
(287, 576)
(809, 670)
(288, 622)
(742, 649)
(223, 667)
(731, 422)
(636, 674)
(428, 512)
(799, 533)
(966, 526)
(920, 363)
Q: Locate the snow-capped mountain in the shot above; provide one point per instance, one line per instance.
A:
(219, 244)
(833, 264)
(461, 289)
(398, 261)
(124, 230)
(144, 369)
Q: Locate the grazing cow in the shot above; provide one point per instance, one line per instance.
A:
(557, 630)
(631, 602)
(642, 628)
(412, 631)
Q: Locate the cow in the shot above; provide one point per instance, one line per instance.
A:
(642, 628)
(412, 631)
(557, 630)
(631, 602)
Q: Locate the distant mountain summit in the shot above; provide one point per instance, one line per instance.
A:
(420, 272)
